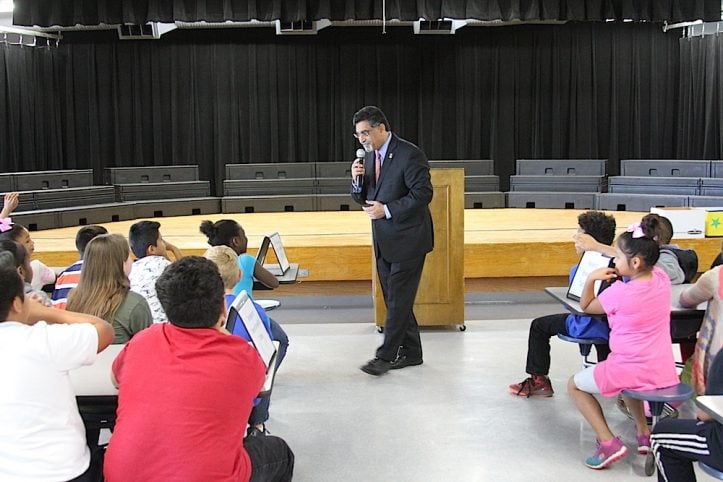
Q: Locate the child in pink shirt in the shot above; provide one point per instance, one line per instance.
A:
(641, 358)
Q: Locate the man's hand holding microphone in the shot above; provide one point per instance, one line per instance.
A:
(357, 170)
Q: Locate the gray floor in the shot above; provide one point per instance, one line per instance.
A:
(450, 419)
(359, 308)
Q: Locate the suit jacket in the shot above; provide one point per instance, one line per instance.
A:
(406, 189)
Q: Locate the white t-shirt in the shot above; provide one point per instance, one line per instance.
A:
(42, 437)
(144, 273)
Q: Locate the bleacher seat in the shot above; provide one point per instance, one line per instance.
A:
(484, 200)
(705, 201)
(335, 202)
(665, 168)
(557, 183)
(481, 183)
(285, 178)
(38, 220)
(267, 204)
(26, 201)
(551, 200)
(96, 214)
(150, 174)
(710, 186)
(266, 187)
(716, 169)
(638, 202)
(176, 207)
(146, 191)
(561, 167)
(280, 170)
(689, 186)
(73, 196)
(333, 169)
(59, 179)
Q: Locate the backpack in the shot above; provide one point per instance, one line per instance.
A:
(688, 261)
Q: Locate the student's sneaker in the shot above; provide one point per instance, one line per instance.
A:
(643, 444)
(533, 386)
(607, 454)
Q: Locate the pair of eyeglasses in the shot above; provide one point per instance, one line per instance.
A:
(365, 133)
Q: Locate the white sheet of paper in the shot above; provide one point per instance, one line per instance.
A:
(252, 321)
(590, 261)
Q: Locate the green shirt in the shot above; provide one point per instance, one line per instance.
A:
(132, 316)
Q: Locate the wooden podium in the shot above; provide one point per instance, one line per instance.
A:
(440, 298)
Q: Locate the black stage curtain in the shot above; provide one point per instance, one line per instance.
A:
(94, 12)
(30, 110)
(217, 97)
(700, 127)
(242, 96)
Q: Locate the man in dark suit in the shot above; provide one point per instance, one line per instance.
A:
(395, 191)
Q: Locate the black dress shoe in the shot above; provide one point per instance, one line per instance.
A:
(405, 361)
(376, 367)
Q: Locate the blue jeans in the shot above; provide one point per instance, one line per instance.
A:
(260, 413)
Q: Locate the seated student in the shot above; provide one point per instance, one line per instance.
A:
(104, 289)
(151, 252)
(225, 260)
(186, 389)
(709, 287)
(42, 435)
(69, 278)
(682, 326)
(600, 227)
(667, 261)
(638, 312)
(228, 232)
(684, 259)
(42, 275)
(678, 443)
(24, 269)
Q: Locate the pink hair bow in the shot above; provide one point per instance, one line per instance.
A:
(6, 224)
(637, 230)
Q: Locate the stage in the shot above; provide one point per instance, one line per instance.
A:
(503, 248)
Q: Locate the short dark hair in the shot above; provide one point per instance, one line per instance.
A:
(646, 246)
(18, 251)
(143, 234)
(373, 115)
(85, 234)
(11, 287)
(191, 292)
(599, 225)
(221, 232)
(664, 232)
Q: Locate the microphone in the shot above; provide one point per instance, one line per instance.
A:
(360, 157)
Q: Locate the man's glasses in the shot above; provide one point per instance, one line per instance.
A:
(365, 133)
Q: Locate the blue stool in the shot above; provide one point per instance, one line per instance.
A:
(585, 345)
(715, 473)
(656, 399)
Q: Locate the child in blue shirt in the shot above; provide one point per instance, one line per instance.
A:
(226, 260)
(602, 228)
